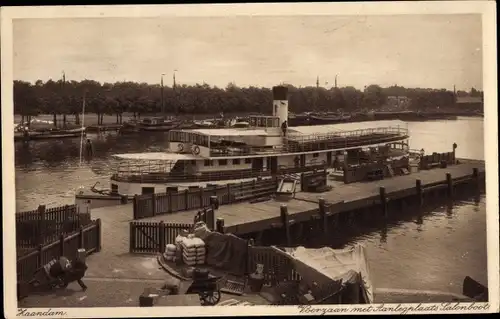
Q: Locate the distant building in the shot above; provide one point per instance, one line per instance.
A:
(470, 103)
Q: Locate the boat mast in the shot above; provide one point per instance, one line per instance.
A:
(83, 121)
(162, 96)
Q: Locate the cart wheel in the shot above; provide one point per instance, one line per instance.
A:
(209, 298)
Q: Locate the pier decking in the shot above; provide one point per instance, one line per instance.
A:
(243, 218)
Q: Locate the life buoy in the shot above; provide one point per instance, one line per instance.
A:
(196, 150)
(180, 147)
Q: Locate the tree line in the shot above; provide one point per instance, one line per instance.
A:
(66, 98)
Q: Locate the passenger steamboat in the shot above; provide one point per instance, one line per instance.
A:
(266, 147)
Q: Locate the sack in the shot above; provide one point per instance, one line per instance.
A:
(188, 257)
(168, 257)
(190, 262)
(202, 232)
(170, 248)
(170, 253)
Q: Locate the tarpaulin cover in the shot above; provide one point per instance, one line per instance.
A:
(327, 264)
(227, 252)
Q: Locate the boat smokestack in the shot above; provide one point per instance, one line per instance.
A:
(280, 103)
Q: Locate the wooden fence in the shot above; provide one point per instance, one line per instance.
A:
(435, 159)
(41, 226)
(88, 237)
(165, 203)
(277, 267)
(152, 237)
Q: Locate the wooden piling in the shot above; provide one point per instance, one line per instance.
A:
(219, 225)
(285, 219)
(449, 186)
(420, 199)
(477, 184)
(324, 215)
(475, 176)
(383, 201)
(258, 240)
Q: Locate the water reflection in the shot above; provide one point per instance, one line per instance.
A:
(49, 154)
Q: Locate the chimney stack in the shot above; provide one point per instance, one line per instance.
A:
(280, 103)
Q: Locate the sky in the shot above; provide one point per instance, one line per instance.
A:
(432, 51)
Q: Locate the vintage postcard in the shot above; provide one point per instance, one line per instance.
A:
(250, 159)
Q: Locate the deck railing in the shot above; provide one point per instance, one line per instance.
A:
(296, 143)
(213, 176)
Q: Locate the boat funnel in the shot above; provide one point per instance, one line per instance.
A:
(280, 103)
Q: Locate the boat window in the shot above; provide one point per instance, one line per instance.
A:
(248, 161)
(222, 162)
(207, 162)
(236, 161)
(269, 122)
(315, 154)
(148, 190)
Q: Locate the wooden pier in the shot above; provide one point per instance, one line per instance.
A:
(247, 218)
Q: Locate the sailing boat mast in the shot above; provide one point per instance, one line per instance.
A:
(83, 130)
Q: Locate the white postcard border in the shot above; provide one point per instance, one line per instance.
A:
(486, 8)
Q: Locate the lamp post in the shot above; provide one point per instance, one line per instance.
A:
(162, 96)
(175, 92)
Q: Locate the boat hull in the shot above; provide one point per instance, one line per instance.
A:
(33, 135)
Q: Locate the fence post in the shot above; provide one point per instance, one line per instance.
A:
(449, 185)
(383, 201)
(99, 235)
(153, 203)
(162, 237)
(41, 224)
(285, 220)
(454, 152)
(201, 197)
(40, 257)
(170, 201)
(61, 245)
(135, 207)
(186, 199)
(131, 237)
(219, 226)
(214, 202)
(82, 239)
(229, 199)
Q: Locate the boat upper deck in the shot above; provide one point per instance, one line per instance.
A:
(254, 142)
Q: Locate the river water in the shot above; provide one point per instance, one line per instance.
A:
(436, 254)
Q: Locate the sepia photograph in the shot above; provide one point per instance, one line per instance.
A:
(206, 157)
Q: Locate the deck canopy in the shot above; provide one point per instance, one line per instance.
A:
(150, 163)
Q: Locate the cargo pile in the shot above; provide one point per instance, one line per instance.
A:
(189, 249)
